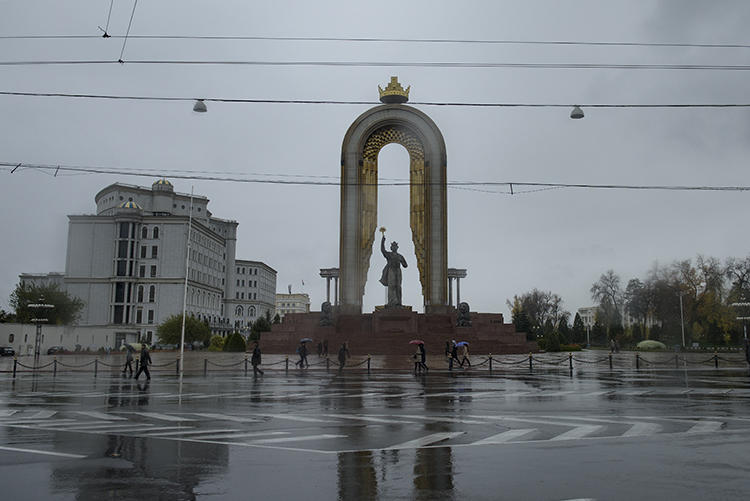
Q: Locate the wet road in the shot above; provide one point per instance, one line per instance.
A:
(680, 434)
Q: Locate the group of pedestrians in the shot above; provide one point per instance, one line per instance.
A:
(420, 357)
(144, 362)
(457, 353)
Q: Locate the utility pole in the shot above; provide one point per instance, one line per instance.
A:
(682, 320)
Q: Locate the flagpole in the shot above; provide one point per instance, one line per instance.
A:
(184, 294)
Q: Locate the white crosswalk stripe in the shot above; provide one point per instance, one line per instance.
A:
(162, 417)
(7, 412)
(295, 439)
(225, 417)
(101, 415)
(706, 427)
(506, 436)
(579, 432)
(219, 436)
(369, 419)
(426, 440)
(186, 432)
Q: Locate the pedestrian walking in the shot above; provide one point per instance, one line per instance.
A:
(325, 347)
(255, 360)
(465, 355)
(128, 363)
(454, 356)
(447, 348)
(423, 357)
(747, 350)
(343, 355)
(145, 362)
(416, 357)
(320, 349)
(302, 362)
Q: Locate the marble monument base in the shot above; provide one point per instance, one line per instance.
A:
(388, 331)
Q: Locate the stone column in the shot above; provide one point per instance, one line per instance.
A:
(328, 289)
(450, 291)
(458, 291)
(336, 291)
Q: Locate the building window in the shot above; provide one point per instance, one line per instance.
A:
(238, 311)
(139, 316)
(11, 337)
(142, 271)
(243, 283)
(144, 233)
(238, 282)
(143, 252)
(122, 268)
(140, 293)
(151, 316)
(242, 295)
(124, 230)
(251, 311)
(151, 294)
(153, 270)
(154, 251)
(118, 316)
(156, 233)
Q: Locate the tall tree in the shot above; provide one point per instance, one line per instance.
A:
(539, 306)
(608, 295)
(578, 333)
(66, 309)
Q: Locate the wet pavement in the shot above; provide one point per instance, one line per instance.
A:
(547, 435)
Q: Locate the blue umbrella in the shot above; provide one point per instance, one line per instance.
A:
(462, 343)
(305, 340)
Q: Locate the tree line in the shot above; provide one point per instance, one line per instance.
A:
(698, 296)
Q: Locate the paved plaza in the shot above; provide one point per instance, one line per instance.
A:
(548, 435)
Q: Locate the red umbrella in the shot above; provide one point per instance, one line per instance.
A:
(416, 341)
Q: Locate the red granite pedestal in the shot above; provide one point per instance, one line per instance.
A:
(388, 332)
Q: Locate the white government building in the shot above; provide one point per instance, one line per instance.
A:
(128, 262)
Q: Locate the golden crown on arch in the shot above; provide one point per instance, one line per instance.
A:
(394, 93)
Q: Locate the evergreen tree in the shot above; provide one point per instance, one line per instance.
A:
(578, 334)
(564, 331)
(216, 344)
(66, 308)
(235, 342)
(170, 331)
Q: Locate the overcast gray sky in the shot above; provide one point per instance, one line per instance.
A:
(559, 240)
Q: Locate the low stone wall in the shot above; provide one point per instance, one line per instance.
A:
(388, 332)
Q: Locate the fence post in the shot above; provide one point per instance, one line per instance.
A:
(570, 361)
(637, 361)
(328, 364)
(15, 363)
(287, 364)
(246, 365)
(368, 364)
(54, 367)
(610, 360)
(96, 366)
(177, 366)
(716, 359)
(137, 363)
(490, 362)
(205, 367)
(531, 366)
(676, 361)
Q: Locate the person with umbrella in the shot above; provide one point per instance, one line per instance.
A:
(464, 346)
(145, 362)
(255, 360)
(302, 350)
(423, 357)
(128, 361)
(454, 355)
(343, 355)
(418, 355)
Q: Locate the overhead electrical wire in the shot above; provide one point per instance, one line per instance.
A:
(369, 103)
(387, 64)
(13, 166)
(387, 40)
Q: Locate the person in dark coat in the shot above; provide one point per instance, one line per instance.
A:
(454, 356)
(343, 355)
(255, 360)
(447, 348)
(325, 347)
(302, 350)
(422, 357)
(145, 362)
(747, 350)
(128, 363)
(320, 349)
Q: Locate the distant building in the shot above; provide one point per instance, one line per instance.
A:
(292, 303)
(588, 315)
(127, 263)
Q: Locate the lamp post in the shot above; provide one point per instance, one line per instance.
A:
(184, 293)
(744, 319)
(682, 320)
(41, 308)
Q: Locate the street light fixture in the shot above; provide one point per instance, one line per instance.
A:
(744, 319)
(577, 113)
(200, 106)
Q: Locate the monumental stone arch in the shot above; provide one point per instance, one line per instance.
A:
(393, 122)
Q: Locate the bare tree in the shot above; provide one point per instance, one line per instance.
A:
(607, 293)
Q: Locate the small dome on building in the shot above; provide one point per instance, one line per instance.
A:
(130, 205)
(162, 185)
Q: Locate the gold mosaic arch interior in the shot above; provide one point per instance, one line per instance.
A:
(368, 177)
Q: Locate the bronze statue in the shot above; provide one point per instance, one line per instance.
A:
(391, 276)
(464, 315)
(326, 313)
